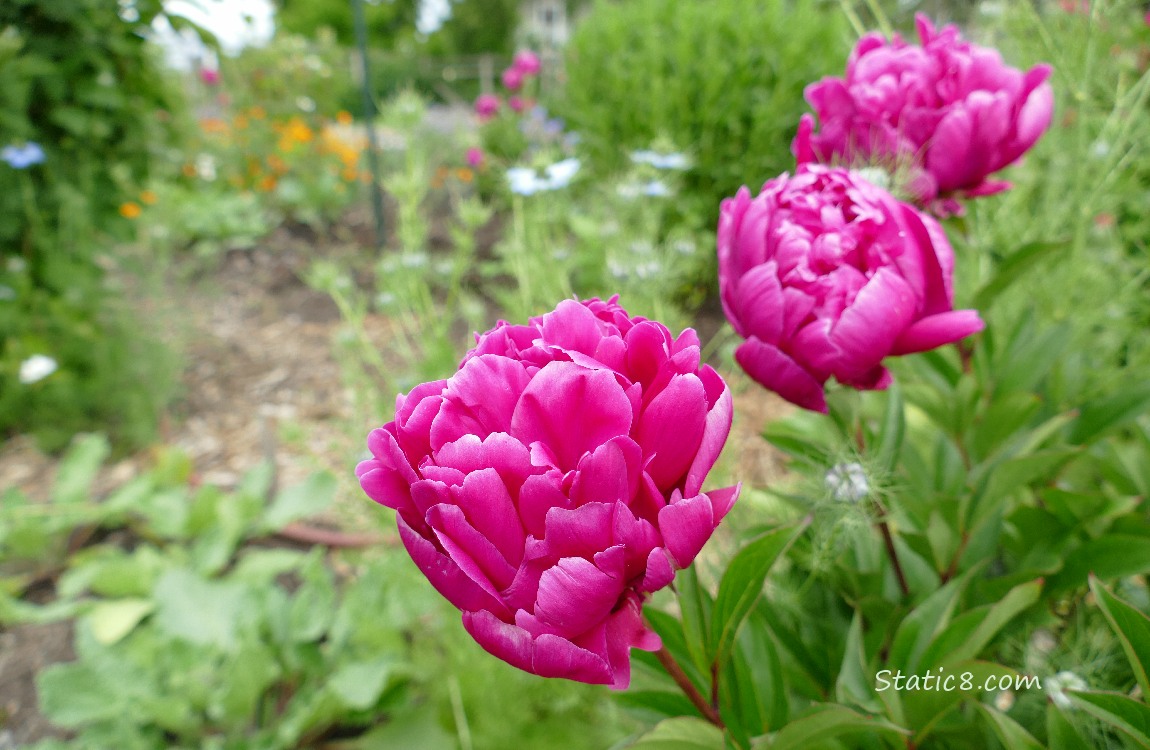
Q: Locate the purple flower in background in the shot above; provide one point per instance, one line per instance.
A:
(554, 482)
(825, 275)
(23, 156)
(475, 157)
(951, 112)
(486, 106)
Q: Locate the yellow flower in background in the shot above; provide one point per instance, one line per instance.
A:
(343, 117)
(213, 125)
(148, 198)
(464, 174)
(349, 174)
(130, 210)
(189, 170)
(268, 183)
(240, 122)
(257, 113)
(277, 165)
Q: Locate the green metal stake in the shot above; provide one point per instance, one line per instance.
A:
(369, 118)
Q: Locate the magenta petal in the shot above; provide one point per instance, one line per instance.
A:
(580, 532)
(715, 431)
(867, 330)
(933, 332)
(447, 578)
(686, 524)
(659, 573)
(487, 504)
(671, 429)
(626, 630)
(540, 493)
(571, 409)
(498, 450)
(775, 371)
(949, 153)
(484, 391)
(501, 639)
(760, 303)
(472, 552)
(574, 595)
(573, 327)
(559, 657)
(723, 500)
(609, 474)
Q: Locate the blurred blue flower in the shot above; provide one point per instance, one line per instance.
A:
(526, 181)
(22, 157)
(561, 173)
(554, 126)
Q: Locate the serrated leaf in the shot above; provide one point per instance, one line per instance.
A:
(1132, 628)
(75, 694)
(200, 611)
(742, 583)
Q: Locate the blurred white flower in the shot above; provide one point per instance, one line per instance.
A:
(561, 173)
(661, 161)
(524, 181)
(1004, 700)
(656, 189)
(7, 293)
(1057, 686)
(206, 167)
(305, 103)
(35, 368)
(847, 483)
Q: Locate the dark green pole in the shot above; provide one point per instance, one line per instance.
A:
(369, 121)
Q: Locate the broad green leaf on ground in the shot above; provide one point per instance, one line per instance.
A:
(78, 469)
(681, 733)
(75, 694)
(743, 582)
(314, 496)
(1122, 712)
(112, 620)
(200, 611)
(1132, 628)
(360, 684)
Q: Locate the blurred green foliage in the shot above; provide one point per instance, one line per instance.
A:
(79, 80)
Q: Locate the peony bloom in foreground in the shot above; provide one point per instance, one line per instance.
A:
(950, 111)
(825, 274)
(555, 481)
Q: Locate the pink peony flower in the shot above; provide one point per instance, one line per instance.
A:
(475, 157)
(513, 79)
(949, 110)
(210, 76)
(825, 274)
(517, 103)
(486, 106)
(526, 62)
(555, 481)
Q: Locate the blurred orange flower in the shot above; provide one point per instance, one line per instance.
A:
(189, 170)
(130, 210)
(268, 184)
(257, 113)
(464, 174)
(349, 174)
(213, 125)
(148, 197)
(343, 117)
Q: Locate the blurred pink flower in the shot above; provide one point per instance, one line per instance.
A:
(210, 76)
(825, 274)
(486, 106)
(554, 482)
(526, 62)
(513, 79)
(475, 157)
(949, 111)
(517, 103)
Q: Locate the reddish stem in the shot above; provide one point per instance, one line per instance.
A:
(709, 712)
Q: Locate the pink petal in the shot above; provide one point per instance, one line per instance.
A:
(540, 493)
(671, 428)
(608, 474)
(936, 330)
(572, 410)
(715, 431)
(777, 372)
(759, 303)
(580, 532)
(447, 578)
(867, 330)
(558, 657)
(575, 595)
(626, 630)
(572, 326)
(488, 506)
(501, 639)
(472, 552)
(686, 524)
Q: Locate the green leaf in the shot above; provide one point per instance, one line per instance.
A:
(743, 582)
(200, 611)
(78, 469)
(1097, 417)
(1012, 734)
(855, 684)
(76, 694)
(1108, 557)
(681, 733)
(1119, 711)
(1013, 268)
(243, 679)
(826, 721)
(893, 429)
(112, 620)
(314, 496)
(360, 684)
(970, 633)
(924, 624)
(1060, 732)
(1132, 628)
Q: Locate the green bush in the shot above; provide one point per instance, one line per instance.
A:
(81, 86)
(722, 80)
